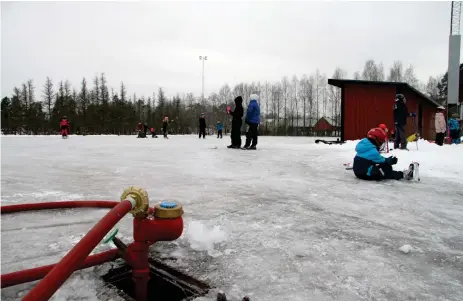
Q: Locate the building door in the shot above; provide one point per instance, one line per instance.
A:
(420, 120)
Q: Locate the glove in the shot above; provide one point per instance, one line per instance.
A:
(412, 114)
(391, 160)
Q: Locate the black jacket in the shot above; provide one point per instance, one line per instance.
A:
(400, 113)
(202, 123)
(239, 110)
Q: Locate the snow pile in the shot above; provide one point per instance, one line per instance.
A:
(202, 238)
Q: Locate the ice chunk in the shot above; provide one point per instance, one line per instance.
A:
(405, 249)
(202, 238)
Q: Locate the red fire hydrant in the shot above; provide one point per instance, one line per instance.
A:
(162, 223)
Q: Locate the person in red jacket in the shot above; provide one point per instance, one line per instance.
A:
(64, 125)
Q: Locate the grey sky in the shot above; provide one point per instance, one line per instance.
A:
(154, 44)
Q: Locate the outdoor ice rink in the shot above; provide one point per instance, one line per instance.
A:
(286, 222)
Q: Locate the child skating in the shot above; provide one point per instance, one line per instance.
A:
(219, 129)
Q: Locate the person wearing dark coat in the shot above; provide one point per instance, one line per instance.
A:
(237, 121)
(202, 126)
(400, 121)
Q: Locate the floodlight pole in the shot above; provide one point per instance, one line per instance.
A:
(203, 58)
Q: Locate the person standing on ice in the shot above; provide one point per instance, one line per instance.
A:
(202, 126)
(252, 120)
(370, 165)
(219, 129)
(400, 121)
(237, 122)
(165, 123)
(64, 126)
(454, 128)
(439, 122)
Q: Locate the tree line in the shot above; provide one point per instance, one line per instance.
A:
(288, 107)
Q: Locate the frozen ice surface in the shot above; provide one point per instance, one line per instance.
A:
(285, 222)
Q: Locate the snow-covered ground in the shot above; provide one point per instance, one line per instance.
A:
(285, 222)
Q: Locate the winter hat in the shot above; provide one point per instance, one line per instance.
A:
(239, 99)
(440, 108)
(254, 97)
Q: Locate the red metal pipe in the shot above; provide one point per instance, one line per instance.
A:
(29, 275)
(61, 272)
(58, 205)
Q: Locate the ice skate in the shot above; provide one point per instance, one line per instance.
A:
(412, 173)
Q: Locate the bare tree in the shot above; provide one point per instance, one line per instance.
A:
(357, 75)
(396, 72)
(284, 91)
(335, 95)
(373, 72)
(48, 96)
(410, 77)
(295, 100)
(432, 89)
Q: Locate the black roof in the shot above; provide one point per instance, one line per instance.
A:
(341, 82)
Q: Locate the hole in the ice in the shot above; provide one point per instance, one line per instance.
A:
(165, 283)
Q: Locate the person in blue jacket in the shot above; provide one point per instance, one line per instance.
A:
(252, 120)
(219, 129)
(370, 165)
(454, 128)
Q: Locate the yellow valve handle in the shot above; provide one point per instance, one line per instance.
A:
(139, 196)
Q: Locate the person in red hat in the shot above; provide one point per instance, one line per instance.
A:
(370, 165)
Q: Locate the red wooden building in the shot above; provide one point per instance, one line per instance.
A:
(365, 104)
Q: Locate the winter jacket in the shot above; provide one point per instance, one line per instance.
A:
(367, 156)
(440, 123)
(400, 113)
(453, 124)
(202, 123)
(64, 123)
(239, 110)
(140, 126)
(253, 113)
(219, 127)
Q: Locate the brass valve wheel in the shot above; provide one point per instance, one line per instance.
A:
(140, 196)
(168, 209)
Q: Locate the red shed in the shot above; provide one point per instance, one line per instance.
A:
(365, 104)
(323, 125)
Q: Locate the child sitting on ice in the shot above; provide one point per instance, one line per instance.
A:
(370, 165)
(454, 128)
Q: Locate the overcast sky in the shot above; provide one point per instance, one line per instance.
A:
(153, 44)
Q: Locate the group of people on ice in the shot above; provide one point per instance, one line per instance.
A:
(368, 162)
(252, 120)
(441, 128)
(142, 128)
